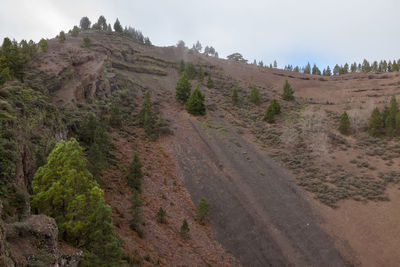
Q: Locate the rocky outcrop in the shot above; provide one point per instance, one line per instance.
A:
(34, 241)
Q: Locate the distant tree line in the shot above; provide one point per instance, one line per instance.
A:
(101, 24)
(365, 67)
(197, 48)
(13, 57)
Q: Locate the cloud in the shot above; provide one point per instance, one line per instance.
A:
(290, 31)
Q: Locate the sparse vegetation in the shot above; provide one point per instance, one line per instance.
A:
(184, 232)
(161, 216)
(254, 95)
(287, 92)
(135, 175)
(210, 83)
(195, 104)
(235, 96)
(86, 42)
(203, 211)
(183, 88)
(344, 126)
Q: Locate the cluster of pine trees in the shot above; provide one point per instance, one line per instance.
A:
(13, 57)
(385, 122)
(194, 100)
(102, 25)
(366, 66)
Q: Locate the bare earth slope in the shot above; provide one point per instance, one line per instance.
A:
(258, 212)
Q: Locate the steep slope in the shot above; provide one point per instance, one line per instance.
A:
(265, 182)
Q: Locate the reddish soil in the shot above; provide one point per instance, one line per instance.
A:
(161, 188)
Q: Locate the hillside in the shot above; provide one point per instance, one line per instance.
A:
(295, 192)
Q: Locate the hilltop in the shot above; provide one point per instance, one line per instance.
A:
(295, 191)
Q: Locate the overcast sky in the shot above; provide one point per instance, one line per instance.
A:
(290, 31)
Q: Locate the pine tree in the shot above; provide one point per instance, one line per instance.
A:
(43, 45)
(96, 161)
(390, 121)
(183, 88)
(85, 23)
(375, 125)
(135, 175)
(287, 91)
(235, 96)
(102, 22)
(115, 116)
(75, 31)
(86, 42)
(104, 245)
(184, 232)
(4, 75)
(145, 115)
(64, 189)
(210, 83)
(273, 109)
(254, 96)
(344, 126)
(203, 211)
(61, 37)
(190, 70)
(195, 104)
(269, 115)
(135, 211)
(117, 26)
(181, 66)
(200, 74)
(161, 214)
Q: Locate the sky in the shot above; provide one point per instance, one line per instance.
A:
(288, 31)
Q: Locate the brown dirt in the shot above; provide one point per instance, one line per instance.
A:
(261, 219)
(161, 188)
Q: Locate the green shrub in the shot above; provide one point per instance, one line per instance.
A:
(195, 104)
(287, 91)
(203, 211)
(255, 96)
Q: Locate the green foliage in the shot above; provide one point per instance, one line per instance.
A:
(273, 109)
(236, 57)
(201, 74)
(255, 96)
(344, 126)
(135, 175)
(75, 31)
(85, 23)
(390, 121)
(375, 125)
(146, 118)
(287, 91)
(135, 211)
(11, 61)
(235, 96)
(203, 211)
(86, 42)
(61, 37)
(161, 216)
(43, 45)
(4, 75)
(104, 245)
(183, 88)
(184, 232)
(64, 189)
(181, 66)
(210, 83)
(115, 116)
(102, 23)
(117, 26)
(190, 70)
(98, 142)
(195, 104)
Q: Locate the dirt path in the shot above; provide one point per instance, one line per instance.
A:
(257, 212)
